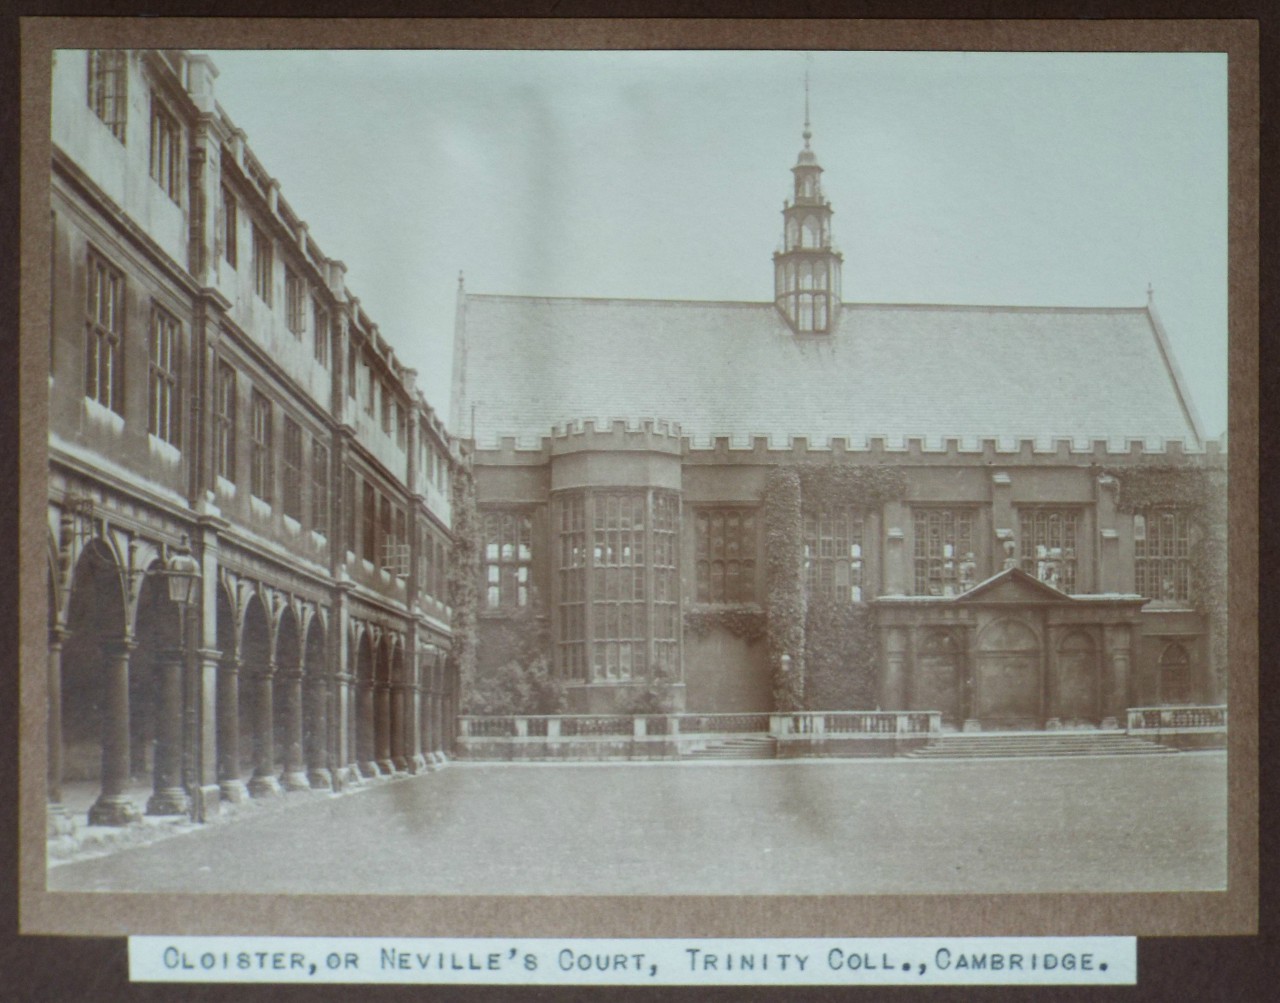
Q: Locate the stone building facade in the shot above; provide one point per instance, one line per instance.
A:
(1009, 514)
(215, 387)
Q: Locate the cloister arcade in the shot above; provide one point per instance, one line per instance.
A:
(311, 688)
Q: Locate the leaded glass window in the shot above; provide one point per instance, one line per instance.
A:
(725, 556)
(833, 554)
(508, 553)
(1162, 554)
(1048, 545)
(944, 551)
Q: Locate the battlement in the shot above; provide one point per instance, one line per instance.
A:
(666, 436)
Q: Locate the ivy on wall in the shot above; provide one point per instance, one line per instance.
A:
(1202, 495)
(744, 620)
(785, 604)
(464, 575)
(832, 645)
(839, 655)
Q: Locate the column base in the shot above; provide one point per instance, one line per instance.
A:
(346, 776)
(58, 821)
(438, 760)
(206, 802)
(295, 780)
(370, 769)
(320, 779)
(264, 787)
(233, 791)
(418, 764)
(169, 801)
(114, 809)
(387, 767)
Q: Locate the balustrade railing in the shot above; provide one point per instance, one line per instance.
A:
(1177, 718)
(814, 723)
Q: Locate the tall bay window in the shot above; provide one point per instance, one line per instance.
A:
(618, 591)
(104, 330)
(224, 424)
(726, 549)
(108, 82)
(164, 412)
(319, 486)
(166, 150)
(833, 554)
(508, 553)
(945, 562)
(292, 493)
(1162, 554)
(261, 460)
(1047, 544)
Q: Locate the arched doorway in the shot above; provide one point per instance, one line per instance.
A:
(287, 723)
(1007, 675)
(935, 682)
(1078, 678)
(316, 716)
(1175, 674)
(95, 685)
(231, 758)
(257, 715)
(363, 719)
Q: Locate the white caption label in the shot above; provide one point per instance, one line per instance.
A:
(743, 962)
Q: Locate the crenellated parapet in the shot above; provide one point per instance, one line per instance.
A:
(590, 435)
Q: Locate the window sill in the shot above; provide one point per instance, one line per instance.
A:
(224, 486)
(102, 415)
(259, 507)
(164, 451)
(292, 524)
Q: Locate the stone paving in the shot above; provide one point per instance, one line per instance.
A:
(1144, 823)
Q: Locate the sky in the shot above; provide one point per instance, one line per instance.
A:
(1036, 179)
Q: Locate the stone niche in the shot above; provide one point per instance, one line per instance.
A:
(1010, 653)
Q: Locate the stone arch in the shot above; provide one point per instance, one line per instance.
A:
(315, 701)
(363, 717)
(255, 660)
(95, 619)
(288, 666)
(382, 702)
(156, 620)
(1007, 677)
(1175, 674)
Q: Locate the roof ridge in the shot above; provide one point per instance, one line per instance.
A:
(761, 304)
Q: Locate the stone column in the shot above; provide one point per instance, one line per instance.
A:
(366, 753)
(1115, 694)
(169, 796)
(382, 726)
(294, 775)
(345, 761)
(263, 783)
(113, 806)
(893, 680)
(58, 823)
(232, 787)
(398, 746)
(418, 762)
(316, 695)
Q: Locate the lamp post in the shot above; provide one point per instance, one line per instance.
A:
(182, 572)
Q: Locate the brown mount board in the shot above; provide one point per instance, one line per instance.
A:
(1234, 911)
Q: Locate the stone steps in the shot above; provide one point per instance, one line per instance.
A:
(1040, 743)
(742, 747)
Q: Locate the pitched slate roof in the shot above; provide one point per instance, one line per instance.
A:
(897, 371)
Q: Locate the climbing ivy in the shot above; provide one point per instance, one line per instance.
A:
(464, 575)
(840, 655)
(832, 645)
(1202, 494)
(744, 620)
(785, 605)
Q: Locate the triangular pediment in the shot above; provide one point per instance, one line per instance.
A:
(1013, 585)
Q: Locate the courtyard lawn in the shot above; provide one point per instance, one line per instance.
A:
(1131, 823)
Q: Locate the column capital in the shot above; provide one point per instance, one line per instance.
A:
(120, 645)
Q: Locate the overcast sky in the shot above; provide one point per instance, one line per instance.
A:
(1012, 179)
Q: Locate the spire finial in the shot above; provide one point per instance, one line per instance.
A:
(807, 133)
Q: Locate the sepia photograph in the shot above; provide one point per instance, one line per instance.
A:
(536, 473)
